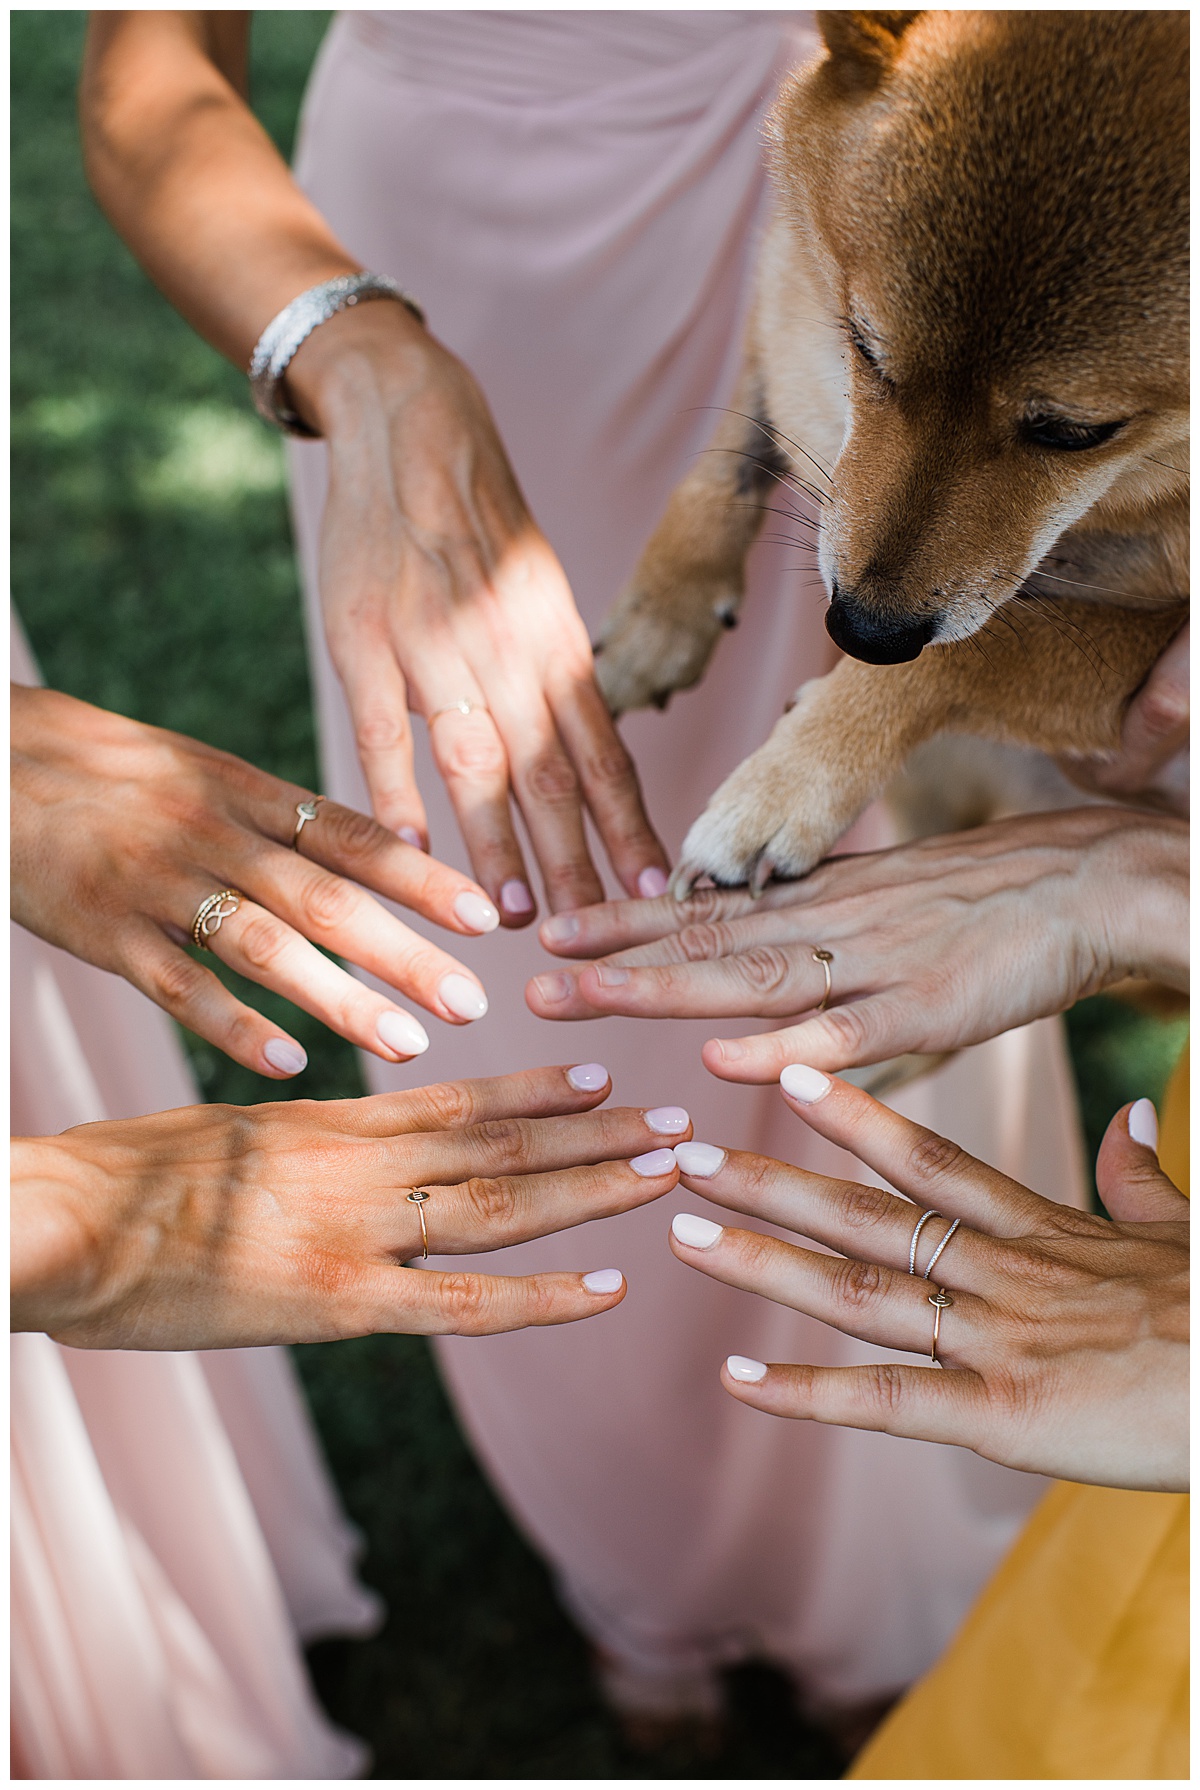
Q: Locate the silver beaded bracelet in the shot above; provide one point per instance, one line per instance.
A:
(278, 343)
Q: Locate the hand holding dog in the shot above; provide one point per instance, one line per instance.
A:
(1152, 766)
(230, 1227)
(936, 944)
(1064, 1348)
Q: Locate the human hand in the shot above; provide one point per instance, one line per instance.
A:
(231, 1227)
(936, 944)
(1152, 766)
(439, 589)
(120, 831)
(1064, 1338)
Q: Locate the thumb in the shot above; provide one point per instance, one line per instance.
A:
(1128, 1179)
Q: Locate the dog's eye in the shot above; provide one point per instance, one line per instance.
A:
(1067, 437)
(864, 347)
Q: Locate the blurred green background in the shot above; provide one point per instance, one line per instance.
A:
(153, 570)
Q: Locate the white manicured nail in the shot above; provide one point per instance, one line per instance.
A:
(652, 883)
(401, 1032)
(697, 1233)
(465, 999)
(588, 1077)
(741, 1367)
(698, 1161)
(410, 836)
(285, 1056)
(476, 912)
(666, 1119)
(654, 1162)
(515, 897)
(604, 1280)
(804, 1084)
(561, 929)
(1143, 1124)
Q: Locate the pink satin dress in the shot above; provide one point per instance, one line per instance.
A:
(575, 198)
(175, 1531)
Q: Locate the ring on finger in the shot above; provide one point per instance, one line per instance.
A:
(824, 958)
(209, 915)
(459, 707)
(417, 1198)
(305, 811)
(912, 1245)
(940, 1301)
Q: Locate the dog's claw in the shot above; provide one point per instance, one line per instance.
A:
(683, 880)
(760, 876)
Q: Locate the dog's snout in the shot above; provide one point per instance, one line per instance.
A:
(877, 639)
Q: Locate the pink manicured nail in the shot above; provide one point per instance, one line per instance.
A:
(402, 1033)
(560, 929)
(804, 1084)
(476, 911)
(698, 1161)
(666, 1119)
(654, 1162)
(696, 1233)
(589, 1078)
(604, 1280)
(1143, 1124)
(730, 1049)
(652, 883)
(610, 975)
(743, 1367)
(410, 836)
(465, 999)
(285, 1056)
(553, 988)
(515, 897)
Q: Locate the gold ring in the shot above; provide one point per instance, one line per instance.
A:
(940, 1300)
(305, 811)
(417, 1198)
(824, 958)
(212, 910)
(461, 707)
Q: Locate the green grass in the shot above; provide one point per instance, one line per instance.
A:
(153, 569)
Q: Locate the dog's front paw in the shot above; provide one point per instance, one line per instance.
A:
(653, 644)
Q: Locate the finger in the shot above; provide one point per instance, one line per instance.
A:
(377, 696)
(1130, 1182)
(308, 902)
(921, 1402)
(610, 786)
(867, 1223)
(195, 997)
(767, 980)
(548, 792)
(428, 1302)
(455, 1105)
(930, 1169)
(259, 945)
(1157, 724)
(611, 926)
(869, 1031)
(863, 1299)
(471, 757)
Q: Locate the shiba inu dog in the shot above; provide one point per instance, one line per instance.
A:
(968, 357)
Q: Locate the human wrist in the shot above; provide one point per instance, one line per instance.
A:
(1141, 865)
(58, 1250)
(339, 370)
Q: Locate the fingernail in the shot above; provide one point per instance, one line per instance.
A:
(401, 1032)
(666, 1119)
(285, 1056)
(1143, 1124)
(697, 1233)
(652, 883)
(465, 999)
(698, 1161)
(609, 976)
(561, 929)
(410, 836)
(515, 897)
(588, 1077)
(654, 1162)
(741, 1367)
(553, 988)
(730, 1049)
(476, 911)
(604, 1280)
(804, 1084)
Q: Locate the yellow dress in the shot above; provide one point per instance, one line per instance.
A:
(1074, 1662)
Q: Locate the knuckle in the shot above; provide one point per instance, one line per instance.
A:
(178, 981)
(552, 781)
(495, 1203)
(859, 1284)
(446, 1106)
(764, 970)
(325, 903)
(887, 1384)
(507, 1140)
(474, 752)
(261, 941)
(380, 729)
(701, 943)
(610, 768)
(1164, 707)
(934, 1158)
(848, 1029)
(349, 831)
(463, 1303)
(706, 905)
(864, 1207)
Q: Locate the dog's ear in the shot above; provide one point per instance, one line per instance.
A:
(863, 45)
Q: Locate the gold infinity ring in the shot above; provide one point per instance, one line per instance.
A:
(212, 910)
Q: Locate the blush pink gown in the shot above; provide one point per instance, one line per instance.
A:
(575, 199)
(175, 1531)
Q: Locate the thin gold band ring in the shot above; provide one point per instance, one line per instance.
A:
(417, 1198)
(940, 1301)
(305, 811)
(824, 958)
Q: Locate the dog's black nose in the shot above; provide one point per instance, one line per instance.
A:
(879, 640)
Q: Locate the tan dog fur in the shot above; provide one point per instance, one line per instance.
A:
(979, 248)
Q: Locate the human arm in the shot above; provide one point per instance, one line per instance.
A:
(1063, 1348)
(437, 585)
(231, 1227)
(936, 944)
(1152, 765)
